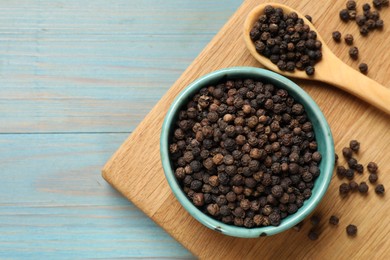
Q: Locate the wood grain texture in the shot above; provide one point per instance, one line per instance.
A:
(96, 67)
(76, 78)
(349, 118)
(54, 204)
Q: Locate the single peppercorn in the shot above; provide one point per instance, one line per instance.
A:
(351, 230)
(309, 70)
(344, 15)
(198, 199)
(349, 174)
(353, 186)
(366, 7)
(352, 162)
(274, 219)
(354, 145)
(308, 17)
(380, 189)
(351, 5)
(317, 156)
(359, 168)
(213, 209)
(372, 167)
(347, 152)
(336, 35)
(363, 68)
(363, 30)
(377, 4)
(340, 170)
(363, 187)
(348, 39)
(333, 220)
(313, 234)
(344, 189)
(354, 52)
(373, 178)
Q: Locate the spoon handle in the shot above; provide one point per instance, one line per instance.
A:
(359, 85)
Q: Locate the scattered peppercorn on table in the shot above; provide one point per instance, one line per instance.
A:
(136, 171)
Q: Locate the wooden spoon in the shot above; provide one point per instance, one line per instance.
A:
(330, 69)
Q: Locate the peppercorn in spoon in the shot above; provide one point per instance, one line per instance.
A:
(328, 68)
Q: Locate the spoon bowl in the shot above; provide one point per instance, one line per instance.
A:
(329, 69)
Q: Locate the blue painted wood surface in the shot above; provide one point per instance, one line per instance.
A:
(76, 78)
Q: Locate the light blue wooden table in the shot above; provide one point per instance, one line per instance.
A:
(76, 78)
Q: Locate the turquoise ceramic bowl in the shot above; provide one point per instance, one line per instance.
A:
(321, 129)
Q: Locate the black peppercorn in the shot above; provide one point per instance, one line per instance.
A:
(360, 20)
(344, 15)
(370, 24)
(372, 167)
(333, 220)
(366, 7)
(274, 219)
(180, 173)
(351, 5)
(313, 234)
(380, 189)
(347, 152)
(344, 189)
(351, 230)
(277, 191)
(377, 4)
(364, 30)
(310, 70)
(354, 145)
(363, 187)
(348, 39)
(359, 168)
(308, 17)
(373, 178)
(340, 170)
(213, 209)
(379, 24)
(349, 174)
(198, 199)
(353, 186)
(354, 52)
(336, 36)
(352, 162)
(317, 157)
(363, 68)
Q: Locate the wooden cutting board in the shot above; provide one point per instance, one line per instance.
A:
(135, 169)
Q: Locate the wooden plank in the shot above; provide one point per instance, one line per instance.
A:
(349, 119)
(55, 204)
(96, 67)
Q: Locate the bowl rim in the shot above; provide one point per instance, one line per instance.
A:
(282, 82)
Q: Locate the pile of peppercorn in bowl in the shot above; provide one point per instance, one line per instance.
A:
(246, 152)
